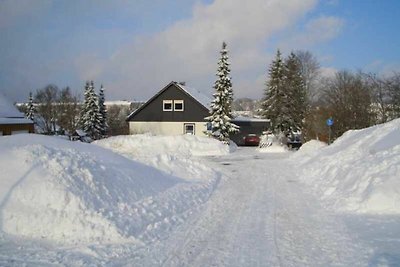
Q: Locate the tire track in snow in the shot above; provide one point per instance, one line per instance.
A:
(275, 229)
(235, 228)
(259, 215)
(306, 233)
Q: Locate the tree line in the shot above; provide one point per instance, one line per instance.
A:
(59, 111)
(297, 98)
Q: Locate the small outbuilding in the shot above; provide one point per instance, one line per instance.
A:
(12, 121)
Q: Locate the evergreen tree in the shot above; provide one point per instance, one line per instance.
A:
(30, 112)
(83, 112)
(103, 112)
(295, 108)
(221, 107)
(284, 101)
(274, 95)
(90, 115)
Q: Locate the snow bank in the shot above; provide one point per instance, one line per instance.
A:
(360, 172)
(183, 145)
(308, 150)
(72, 192)
(176, 155)
(311, 147)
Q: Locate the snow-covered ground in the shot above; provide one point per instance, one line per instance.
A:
(177, 155)
(188, 201)
(360, 172)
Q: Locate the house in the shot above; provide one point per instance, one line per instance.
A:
(12, 121)
(177, 109)
(174, 110)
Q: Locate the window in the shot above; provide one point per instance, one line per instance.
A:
(178, 105)
(189, 128)
(167, 105)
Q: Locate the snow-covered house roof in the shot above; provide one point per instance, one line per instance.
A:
(7, 110)
(250, 119)
(9, 114)
(196, 94)
(15, 121)
(118, 103)
(80, 132)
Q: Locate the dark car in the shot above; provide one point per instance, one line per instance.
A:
(251, 140)
(294, 141)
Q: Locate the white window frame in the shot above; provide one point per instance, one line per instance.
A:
(168, 102)
(179, 102)
(189, 124)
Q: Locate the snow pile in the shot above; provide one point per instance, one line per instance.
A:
(308, 150)
(360, 171)
(311, 146)
(176, 155)
(72, 192)
(184, 145)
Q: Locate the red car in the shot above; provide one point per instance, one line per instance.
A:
(251, 140)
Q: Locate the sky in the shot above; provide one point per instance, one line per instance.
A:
(135, 47)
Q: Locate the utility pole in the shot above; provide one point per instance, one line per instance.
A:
(329, 122)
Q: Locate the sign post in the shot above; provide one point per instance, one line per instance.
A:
(329, 122)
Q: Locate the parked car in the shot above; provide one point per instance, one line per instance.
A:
(294, 140)
(251, 140)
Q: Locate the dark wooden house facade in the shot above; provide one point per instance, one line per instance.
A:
(174, 110)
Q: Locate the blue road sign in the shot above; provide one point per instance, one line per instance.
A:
(329, 122)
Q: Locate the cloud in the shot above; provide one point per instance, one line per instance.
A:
(113, 43)
(316, 31)
(188, 49)
(328, 72)
(332, 2)
(382, 67)
(322, 29)
(11, 13)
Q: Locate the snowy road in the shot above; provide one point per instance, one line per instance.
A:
(259, 216)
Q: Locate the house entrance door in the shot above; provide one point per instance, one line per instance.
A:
(189, 128)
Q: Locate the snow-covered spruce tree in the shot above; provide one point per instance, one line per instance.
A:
(221, 107)
(30, 111)
(83, 111)
(295, 107)
(90, 115)
(103, 112)
(274, 95)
